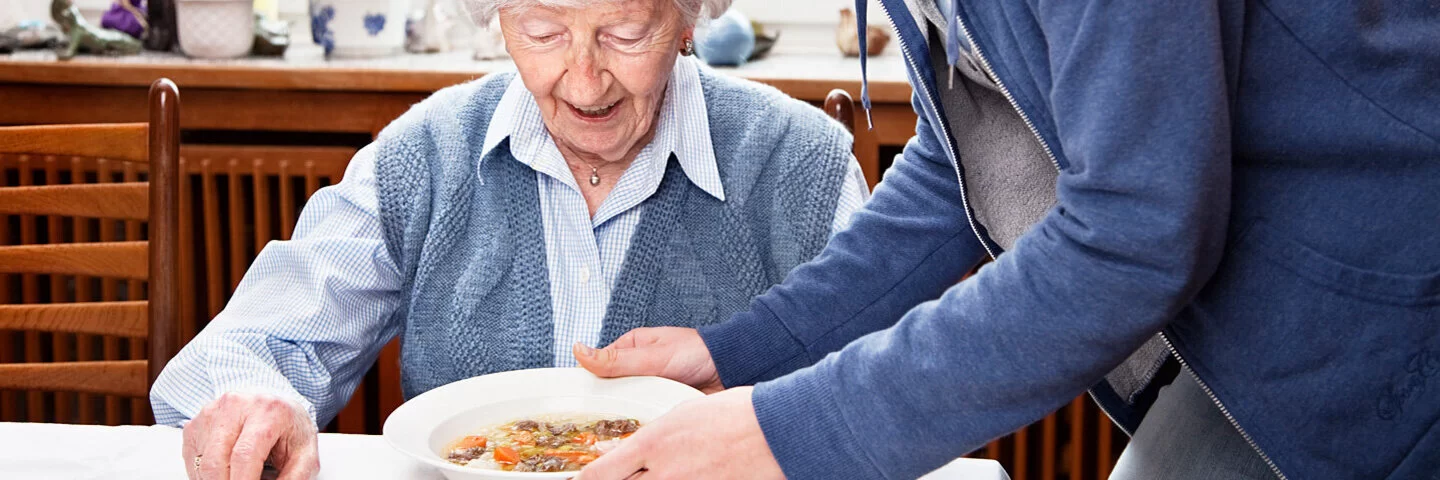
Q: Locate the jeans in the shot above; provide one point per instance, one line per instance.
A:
(1185, 437)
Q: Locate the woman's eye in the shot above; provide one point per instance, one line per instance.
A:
(625, 41)
(544, 39)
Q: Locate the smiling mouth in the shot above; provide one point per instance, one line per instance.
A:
(600, 112)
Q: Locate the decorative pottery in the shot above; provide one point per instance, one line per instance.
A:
(847, 36)
(727, 41)
(359, 28)
(215, 28)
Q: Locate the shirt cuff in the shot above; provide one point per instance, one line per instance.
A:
(752, 346)
(806, 430)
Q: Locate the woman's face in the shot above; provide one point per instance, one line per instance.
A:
(598, 72)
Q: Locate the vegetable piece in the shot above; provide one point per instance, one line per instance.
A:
(471, 441)
(584, 438)
(574, 457)
(523, 438)
(506, 455)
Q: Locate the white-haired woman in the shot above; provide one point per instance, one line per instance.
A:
(612, 183)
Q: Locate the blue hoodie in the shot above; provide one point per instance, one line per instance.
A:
(1259, 181)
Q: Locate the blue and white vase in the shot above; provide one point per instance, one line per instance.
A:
(359, 28)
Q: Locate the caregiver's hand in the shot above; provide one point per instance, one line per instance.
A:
(672, 352)
(715, 437)
(233, 436)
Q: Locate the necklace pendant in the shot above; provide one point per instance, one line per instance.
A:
(594, 177)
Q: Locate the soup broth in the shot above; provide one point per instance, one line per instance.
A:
(542, 443)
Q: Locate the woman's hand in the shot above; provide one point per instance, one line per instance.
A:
(672, 352)
(232, 438)
(715, 437)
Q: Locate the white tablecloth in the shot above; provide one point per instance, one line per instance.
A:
(82, 452)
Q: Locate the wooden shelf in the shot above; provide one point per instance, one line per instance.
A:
(807, 77)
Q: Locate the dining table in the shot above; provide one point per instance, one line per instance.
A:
(83, 452)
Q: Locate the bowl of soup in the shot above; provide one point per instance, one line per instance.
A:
(539, 423)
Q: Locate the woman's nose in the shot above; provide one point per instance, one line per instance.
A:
(586, 77)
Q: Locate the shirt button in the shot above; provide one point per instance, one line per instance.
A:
(584, 275)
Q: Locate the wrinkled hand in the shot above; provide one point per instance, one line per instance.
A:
(715, 437)
(672, 352)
(237, 433)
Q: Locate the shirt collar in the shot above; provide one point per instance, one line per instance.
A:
(683, 130)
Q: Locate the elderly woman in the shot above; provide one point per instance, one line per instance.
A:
(612, 184)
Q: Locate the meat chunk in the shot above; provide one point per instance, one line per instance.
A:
(551, 441)
(615, 428)
(561, 429)
(541, 463)
(464, 455)
(527, 425)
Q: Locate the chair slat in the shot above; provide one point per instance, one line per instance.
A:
(124, 377)
(126, 201)
(124, 319)
(100, 259)
(120, 141)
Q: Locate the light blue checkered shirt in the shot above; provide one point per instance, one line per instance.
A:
(313, 312)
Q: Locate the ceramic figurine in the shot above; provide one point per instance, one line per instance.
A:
(427, 30)
(127, 16)
(847, 36)
(489, 42)
(272, 37)
(160, 32)
(763, 41)
(87, 38)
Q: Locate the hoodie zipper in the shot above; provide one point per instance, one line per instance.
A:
(949, 149)
(1223, 410)
(984, 63)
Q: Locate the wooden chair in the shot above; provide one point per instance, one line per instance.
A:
(841, 108)
(156, 260)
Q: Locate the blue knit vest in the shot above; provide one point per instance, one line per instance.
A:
(472, 250)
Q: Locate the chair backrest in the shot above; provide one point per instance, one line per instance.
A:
(841, 108)
(155, 143)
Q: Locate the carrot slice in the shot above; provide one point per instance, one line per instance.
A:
(584, 438)
(506, 455)
(471, 441)
(576, 457)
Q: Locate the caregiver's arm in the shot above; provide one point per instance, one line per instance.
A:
(908, 244)
(1139, 98)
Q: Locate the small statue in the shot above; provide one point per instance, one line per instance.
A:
(847, 36)
(127, 16)
(272, 37)
(489, 41)
(86, 37)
